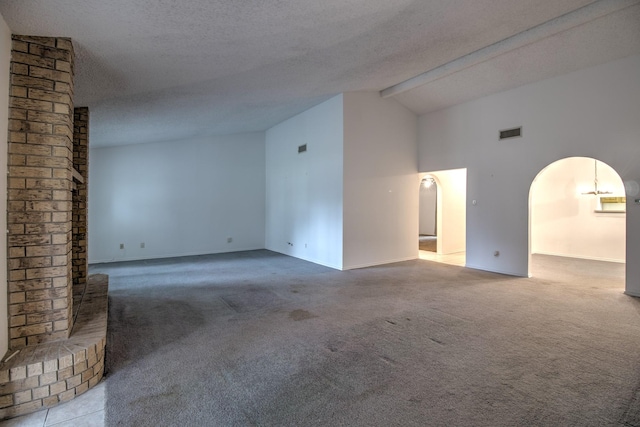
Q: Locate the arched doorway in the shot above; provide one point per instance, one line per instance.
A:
(577, 211)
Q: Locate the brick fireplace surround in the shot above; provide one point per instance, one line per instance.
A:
(57, 315)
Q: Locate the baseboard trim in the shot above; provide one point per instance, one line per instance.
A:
(392, 261)
(175, 255)
(508, 273)
(580, 257)
(313, 261)
(632, 294)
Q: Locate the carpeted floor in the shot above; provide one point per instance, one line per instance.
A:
(428, 243)
(257, 338)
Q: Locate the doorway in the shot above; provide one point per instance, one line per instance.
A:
(450, 215)
(427, 228)
(577, 211)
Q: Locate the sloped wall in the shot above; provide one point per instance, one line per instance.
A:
(304, 197)
(381, 184)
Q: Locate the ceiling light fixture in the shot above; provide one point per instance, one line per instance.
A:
(427, 181)
(595, 191)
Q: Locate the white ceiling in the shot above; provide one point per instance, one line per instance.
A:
(159, 70)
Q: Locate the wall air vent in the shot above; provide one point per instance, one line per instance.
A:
(511, 133)
(302, 148)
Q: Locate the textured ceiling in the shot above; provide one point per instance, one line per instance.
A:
(157, 70)
(609, 37)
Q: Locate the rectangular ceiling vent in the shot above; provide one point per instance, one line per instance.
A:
(511, 133)
(302, 148)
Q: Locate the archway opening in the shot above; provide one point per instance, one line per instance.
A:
(577, 212)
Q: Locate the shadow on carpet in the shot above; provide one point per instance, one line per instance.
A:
(258, 339)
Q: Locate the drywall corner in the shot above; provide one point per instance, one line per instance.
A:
(5, 66)
(304, 187)
(381, 186)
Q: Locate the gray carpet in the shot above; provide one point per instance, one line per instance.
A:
(257, 338)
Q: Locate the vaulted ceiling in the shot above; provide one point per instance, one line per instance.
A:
(161, 70)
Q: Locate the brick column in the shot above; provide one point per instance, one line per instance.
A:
(81, 165)
(39, 195)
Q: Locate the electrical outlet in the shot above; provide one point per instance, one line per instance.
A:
(121, 245)
(142, 245)
(229, 239)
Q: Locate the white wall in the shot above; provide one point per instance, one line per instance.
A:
(5, 65)
(564, 222)
(451, 215)
(304, 191)
(428, 199)
(593, 112)
(380, 181)
(179, 198)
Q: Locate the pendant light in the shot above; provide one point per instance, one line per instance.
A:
(595, 190)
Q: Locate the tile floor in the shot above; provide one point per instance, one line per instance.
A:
(86, 410)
